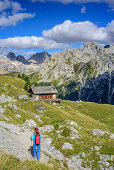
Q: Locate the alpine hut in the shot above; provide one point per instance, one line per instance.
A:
(45, 93)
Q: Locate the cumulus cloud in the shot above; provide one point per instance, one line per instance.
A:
(12, 16)
(14, 6)
(5, 4)
(110, 2)
(83, 10)
(80, 32)
(30, 43)
(26, 54)
(14, 19)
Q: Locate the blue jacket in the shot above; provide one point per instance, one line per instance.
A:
(33, 137)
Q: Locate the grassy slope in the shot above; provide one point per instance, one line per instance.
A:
(9, 162)
(88, 116)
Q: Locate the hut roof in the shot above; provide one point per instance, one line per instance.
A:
(44, 90)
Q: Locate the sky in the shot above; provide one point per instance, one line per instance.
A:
(30, 26)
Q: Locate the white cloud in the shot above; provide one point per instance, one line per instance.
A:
(5, 4)
(12, 16)
(14, 19)
(26, 54)
(110, 2)
(83, 10)
(16, 7)
(80, 32)
(30, 43)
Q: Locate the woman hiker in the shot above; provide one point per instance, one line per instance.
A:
(36, 137)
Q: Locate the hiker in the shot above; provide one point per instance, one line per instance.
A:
(36, 137)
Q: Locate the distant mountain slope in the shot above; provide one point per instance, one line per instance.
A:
(11, 56)
(89, 70)
(20, 58)
(39, 57)
(14, 63)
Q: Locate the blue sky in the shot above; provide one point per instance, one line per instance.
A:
(28, 26)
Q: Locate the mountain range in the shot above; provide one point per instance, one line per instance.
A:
(80, 74)
(38, 58)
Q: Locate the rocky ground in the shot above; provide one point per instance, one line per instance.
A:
(15, 139)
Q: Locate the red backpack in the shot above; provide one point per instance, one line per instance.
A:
(37, 139)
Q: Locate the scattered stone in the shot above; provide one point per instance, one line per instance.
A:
(83, 154)
(67, 146)
(23, 97)
(111, 136)
(75, 163)
(98, 132)
(13, 106)
(47, 128)
(1, 110)
(58, 131)
(59, 135)
(73, 124)
(18, 115)
(50, 150)
(4, 99)
(30, 123)
(107, 164)
(96, 148)
(74, 133)
(38, 118)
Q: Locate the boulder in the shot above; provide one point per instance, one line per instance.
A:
(98, 132)
(47, 128)
(4, 98)
(30, 123)
(18, 115)
(72, 123)
(22, 97)
(96, 148)
(67, 146)
(13, 106)
(111, 136)
(1, 110)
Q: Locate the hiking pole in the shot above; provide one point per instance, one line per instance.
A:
(31, 148)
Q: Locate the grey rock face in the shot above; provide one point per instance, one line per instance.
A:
(20, 58)
(11, 56)
(39, 57)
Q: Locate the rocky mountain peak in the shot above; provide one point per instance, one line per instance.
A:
(39, 57)
(20, 58)
(11, 56)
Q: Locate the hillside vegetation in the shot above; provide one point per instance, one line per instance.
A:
(87, 127)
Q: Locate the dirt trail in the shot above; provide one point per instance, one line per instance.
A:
(16, 140)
